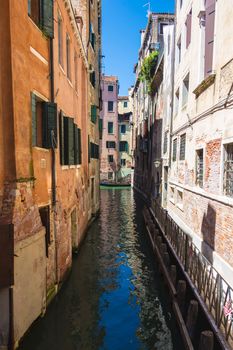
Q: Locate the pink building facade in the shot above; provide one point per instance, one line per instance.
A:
(109, 162)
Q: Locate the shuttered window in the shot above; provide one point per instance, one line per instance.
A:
(110, 127)
(228, 170)
(44, 123)
(41, 12)
(45, 219)
(94, 151)
(93, 113)
(68, 66)
(182, 146)
(123, 146)
(174, 150)
(188, 24)
(199, 167)
(209, 35)
(70, 142)
(110, 106)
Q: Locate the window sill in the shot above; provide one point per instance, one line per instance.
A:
(172, 201)
(207, 82)
(180, 206)
(41, 149)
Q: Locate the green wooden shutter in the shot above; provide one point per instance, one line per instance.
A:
(89, 150)
(49, 125)
(79, 147)
(93, 40)
(61, 138)
(66, 140)
(100, 128)
(71, 141)
(93, 114)
(76, 148)
(47, 18)
(34, 120)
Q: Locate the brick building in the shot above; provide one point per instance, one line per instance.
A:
(109, 154)
(45, 196)
(200, 178)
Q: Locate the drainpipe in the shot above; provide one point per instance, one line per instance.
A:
(173, 89)
(53, 166)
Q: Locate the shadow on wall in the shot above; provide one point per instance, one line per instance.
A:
(208, 233)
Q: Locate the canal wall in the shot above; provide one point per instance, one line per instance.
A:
(178, 272)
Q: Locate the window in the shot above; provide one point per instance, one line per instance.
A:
(188, 24)
(110, 88)
(123, 162)
(93, 113)
(70, 141)
(76, 72)
(92, 37)
(165, 142)
(123, 146)
(181, 3)
(228, 170)
(179, 50)
(41, 13)
(174, 153)
(123, 129)
(177, 101)
(199, 167)
(125, 104)
(209, 36)
(185, 90)
(110, 175)
(110, 144)
(94, 151)
(110, 158)
(68, 68)
(182, 146)
(44, 123)
(172, 194)
(179, 199)
(92, 78)
(45, 219)
(161, 27)
(60, 40)
(110, 106)
(101, 128)
(110, 127)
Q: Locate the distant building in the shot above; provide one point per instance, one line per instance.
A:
(125, 137)
(109, 161)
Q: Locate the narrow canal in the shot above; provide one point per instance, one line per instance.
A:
(114, 298)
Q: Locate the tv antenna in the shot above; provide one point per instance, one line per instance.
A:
(148, 10)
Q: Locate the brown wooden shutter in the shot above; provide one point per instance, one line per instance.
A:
(6, 255)
(209, 35)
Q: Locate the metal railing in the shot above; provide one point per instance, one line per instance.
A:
(212, 288)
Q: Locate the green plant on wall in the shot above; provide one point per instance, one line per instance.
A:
(147, 71)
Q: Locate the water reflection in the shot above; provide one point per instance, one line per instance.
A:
(114, 299)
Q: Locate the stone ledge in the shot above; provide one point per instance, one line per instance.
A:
(207, 82)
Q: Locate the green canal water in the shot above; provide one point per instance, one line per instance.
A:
(114, 298)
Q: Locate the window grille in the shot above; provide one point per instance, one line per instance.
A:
(174, 154)
(199, 168)
(165, 142)
(228, 171)
(182, 146)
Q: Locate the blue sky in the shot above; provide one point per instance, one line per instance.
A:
(122, 21)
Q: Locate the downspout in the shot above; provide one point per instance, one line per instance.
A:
(53, 163)
(173, 90)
